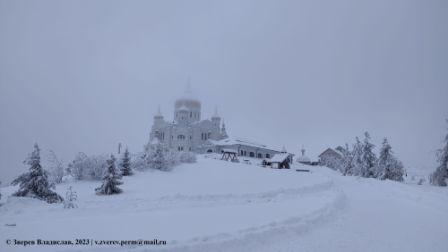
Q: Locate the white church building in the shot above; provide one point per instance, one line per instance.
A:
(189, 132)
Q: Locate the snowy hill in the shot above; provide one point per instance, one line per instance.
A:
(215, 205)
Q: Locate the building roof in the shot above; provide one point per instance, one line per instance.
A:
(330, 151)
(280, 157)
(241, 141)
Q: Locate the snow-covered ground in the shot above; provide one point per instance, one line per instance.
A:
(215, 205)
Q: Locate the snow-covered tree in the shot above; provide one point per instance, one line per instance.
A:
(111, 179)
(388, 167)
(139, 162)
(368, 158)
(440, 175)
(56, 168)
(159, 157)
(172, 157)
(85, 167)
(125, 164)
(347, 161)
(356, 158)
(35, 182)
(70, 198)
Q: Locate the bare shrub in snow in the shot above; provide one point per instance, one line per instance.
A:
(35, 182)
(111, 180)
(85, 167)
(70, 198)
(440, 175)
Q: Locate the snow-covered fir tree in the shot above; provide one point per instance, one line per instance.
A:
(55, 168)
(440, 175)
(347, 161)
(368, 158)
(388, 166)
(111, 179)
(125, 164)
(70, 198)
(35, 182)
(356, 158)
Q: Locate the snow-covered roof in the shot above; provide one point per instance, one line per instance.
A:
(230, 151)
(340, 150)
(238, 140)
(280, 157)
(330, 151)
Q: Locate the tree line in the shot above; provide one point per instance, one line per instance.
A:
(361, 160)
(39, 182)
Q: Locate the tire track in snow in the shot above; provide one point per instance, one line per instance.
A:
(213, 200)
(248, 238)
(251, 237)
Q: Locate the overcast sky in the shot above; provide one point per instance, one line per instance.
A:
(85, 75)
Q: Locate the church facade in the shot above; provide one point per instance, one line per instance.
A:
(188, 132)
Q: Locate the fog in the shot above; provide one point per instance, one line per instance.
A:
(85, 75)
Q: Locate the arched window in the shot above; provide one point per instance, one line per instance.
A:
(241, 153)
(208, 135)
(251, 154)
(267, 155)
(259, 155)
(180, 137)
(209, 151)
